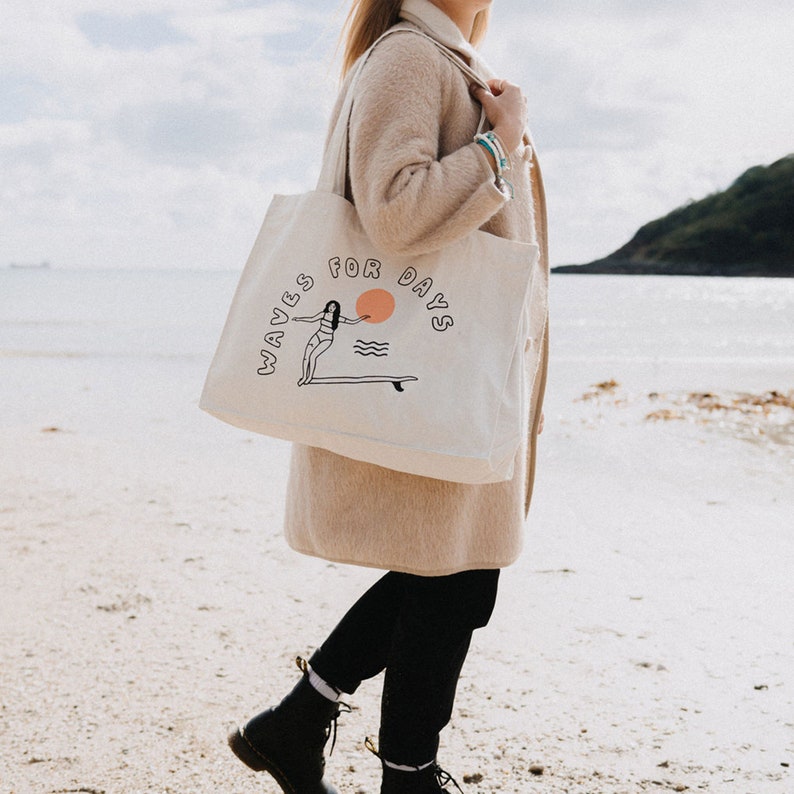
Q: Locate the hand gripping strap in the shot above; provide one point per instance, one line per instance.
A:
(334, 169)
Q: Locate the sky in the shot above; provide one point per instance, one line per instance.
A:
(153, 133)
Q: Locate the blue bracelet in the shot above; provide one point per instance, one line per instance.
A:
(502, 185)
(491, 142)
(487, 146)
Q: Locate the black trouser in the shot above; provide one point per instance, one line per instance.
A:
(417, 628)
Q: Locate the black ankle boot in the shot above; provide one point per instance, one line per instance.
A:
(427, 781)
(424, 781)
(288, 741)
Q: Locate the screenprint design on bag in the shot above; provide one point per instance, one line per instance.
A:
(374, 306)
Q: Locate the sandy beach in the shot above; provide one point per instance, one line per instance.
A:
(643, 643)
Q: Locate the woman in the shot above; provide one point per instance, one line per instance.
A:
(419, 181)
(323, 338)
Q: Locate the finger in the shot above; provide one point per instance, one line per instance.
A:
(497, 86)
(478, 92)
(484, 97)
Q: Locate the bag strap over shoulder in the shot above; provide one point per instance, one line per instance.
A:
(334, 169)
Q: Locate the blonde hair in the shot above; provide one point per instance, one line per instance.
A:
(370, 19)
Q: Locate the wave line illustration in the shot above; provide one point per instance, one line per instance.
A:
(363, 348)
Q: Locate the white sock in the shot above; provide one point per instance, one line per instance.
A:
(403, 768)
(324, 688)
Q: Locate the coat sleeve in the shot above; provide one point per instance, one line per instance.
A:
(411, 200)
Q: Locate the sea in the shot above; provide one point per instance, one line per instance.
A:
(126, 351)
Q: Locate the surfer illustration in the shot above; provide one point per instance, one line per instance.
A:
(329, 318)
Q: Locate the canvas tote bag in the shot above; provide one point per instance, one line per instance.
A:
(415, 363)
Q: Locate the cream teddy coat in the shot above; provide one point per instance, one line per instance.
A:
(419, 182)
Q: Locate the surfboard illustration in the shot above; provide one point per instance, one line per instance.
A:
(395, 380)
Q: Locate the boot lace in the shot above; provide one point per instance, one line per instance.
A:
(330, 729)
(341, 708)
(443, 778)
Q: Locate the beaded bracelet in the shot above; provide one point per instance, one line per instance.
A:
(491, 141)
(491, 149)
(504, 155)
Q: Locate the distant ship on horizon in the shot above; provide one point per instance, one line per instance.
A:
(30, 265)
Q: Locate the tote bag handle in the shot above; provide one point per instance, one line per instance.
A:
(334, 170)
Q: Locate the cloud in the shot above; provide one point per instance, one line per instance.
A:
(155, 136)
(144, 32)
(18, 95)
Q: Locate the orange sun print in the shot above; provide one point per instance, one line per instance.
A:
(378, 304)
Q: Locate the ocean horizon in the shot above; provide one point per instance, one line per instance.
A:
(97, 341)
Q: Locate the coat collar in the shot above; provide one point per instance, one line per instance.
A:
(433, 21)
